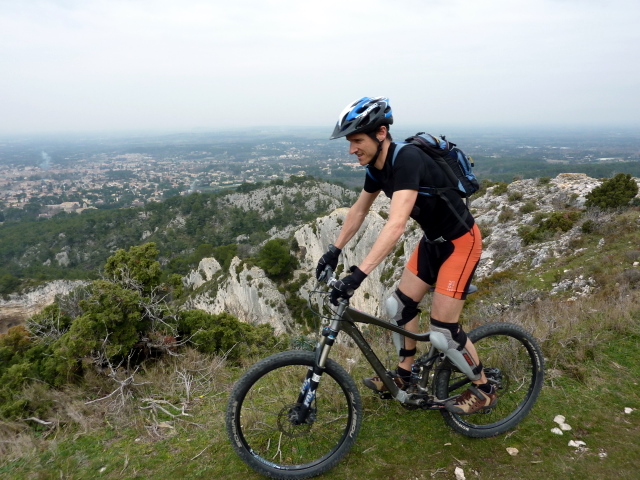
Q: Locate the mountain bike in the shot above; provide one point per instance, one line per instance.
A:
(296, 414)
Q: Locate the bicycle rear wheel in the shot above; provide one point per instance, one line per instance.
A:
(260, 413)
(513, 360)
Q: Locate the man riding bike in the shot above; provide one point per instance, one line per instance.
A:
(446, 256)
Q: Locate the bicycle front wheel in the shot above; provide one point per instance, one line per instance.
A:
(261, 421)
(513, 361)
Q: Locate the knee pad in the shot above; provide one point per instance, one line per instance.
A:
(401, 309)
(451, 339)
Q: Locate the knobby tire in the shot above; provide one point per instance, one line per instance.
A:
(511, 357)
(259, 425)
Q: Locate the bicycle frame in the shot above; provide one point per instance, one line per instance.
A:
(288, 438)
(345, 319)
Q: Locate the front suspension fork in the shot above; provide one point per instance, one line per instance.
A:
(308, 390)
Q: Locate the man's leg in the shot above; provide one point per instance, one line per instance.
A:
(443, 308)
(415, 289)
(405, 301)
(447, 310)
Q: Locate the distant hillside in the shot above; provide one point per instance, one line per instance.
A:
(185, 229)
(525, 225)
(507, 168)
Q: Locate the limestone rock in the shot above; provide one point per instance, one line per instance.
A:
(16, 308)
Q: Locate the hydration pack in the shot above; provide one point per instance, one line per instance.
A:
(452, 160)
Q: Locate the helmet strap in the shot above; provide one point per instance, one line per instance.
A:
(375, 157)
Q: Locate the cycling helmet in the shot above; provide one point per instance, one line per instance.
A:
(363, 116)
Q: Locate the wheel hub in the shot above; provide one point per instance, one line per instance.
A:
(289, 421)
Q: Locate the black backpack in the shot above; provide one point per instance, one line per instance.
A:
(453, 161)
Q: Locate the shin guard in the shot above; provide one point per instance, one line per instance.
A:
(450, 339)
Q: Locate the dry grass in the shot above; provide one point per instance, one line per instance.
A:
(164, 393)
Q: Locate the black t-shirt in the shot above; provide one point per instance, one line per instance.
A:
(411, 170)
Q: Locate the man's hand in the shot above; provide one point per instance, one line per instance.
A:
(329, 259)
(346, 287)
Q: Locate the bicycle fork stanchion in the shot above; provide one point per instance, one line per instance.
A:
(312, 380)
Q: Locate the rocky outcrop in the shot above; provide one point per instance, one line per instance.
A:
(247, 293)
(205, 272)
(244, 292)
(16, 308)
(316, 197)
(500, 216)
(503, 247)
(317, 236)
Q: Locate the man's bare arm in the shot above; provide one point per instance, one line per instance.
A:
(355, 217)
(402, 203)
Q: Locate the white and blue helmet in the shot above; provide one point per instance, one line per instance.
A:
(363, 116)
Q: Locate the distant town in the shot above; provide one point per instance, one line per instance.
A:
(46, 177)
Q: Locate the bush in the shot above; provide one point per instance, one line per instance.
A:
(560, 221)
(137, 267)
(276, 261)
(546, 228)
(8, 284)
(528, 207)
(613, 193)
(588, 226)
(506, 214)
(515, 197)
(224, 334)
(500, 188)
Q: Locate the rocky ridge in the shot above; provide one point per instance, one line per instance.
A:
(503, 249)
(246, 292)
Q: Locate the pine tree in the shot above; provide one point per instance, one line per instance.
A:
(613, 193)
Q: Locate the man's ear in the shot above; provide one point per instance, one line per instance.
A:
(381, 133)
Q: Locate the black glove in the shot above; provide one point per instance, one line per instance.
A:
(346, 287)
(329, 259)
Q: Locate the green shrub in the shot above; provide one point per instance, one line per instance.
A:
(49, 324)
(500, 188)
(562, 221)
(588, 226)
(506, 214)
(515, 197)
(528, 207)
(224, 334)
(613, 193)
(8, 283)
(276, 261)
(547, 227)
(136, 267)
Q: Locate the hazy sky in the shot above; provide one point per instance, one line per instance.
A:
(78, 65)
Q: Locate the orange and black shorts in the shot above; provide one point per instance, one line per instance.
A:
(449, 265)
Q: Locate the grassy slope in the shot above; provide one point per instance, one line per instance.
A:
(394, 443)
(590, 384)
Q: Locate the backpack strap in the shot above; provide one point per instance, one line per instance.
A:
(370, 175)
(454, 211)
(453, 179)
(395, 152)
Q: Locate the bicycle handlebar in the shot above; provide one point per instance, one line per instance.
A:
(328, 277)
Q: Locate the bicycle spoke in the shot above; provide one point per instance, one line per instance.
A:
(513, 363)
(264, 424)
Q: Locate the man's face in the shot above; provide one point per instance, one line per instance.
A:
(362, 146)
